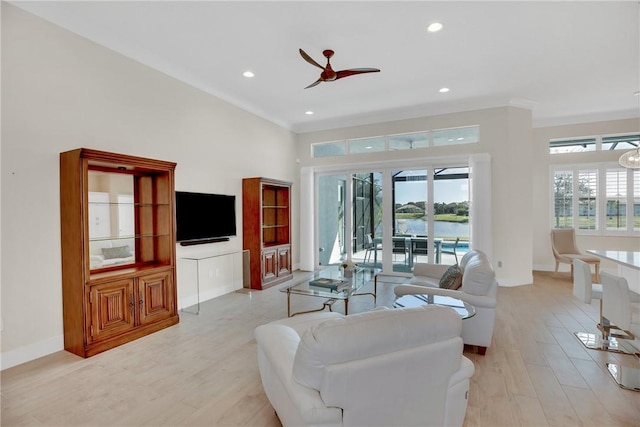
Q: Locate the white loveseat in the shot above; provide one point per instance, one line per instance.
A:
(479, 288)
(386, 367)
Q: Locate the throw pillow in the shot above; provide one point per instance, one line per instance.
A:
(117, 252)
(452, 278)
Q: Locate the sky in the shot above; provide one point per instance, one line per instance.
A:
(446, 191)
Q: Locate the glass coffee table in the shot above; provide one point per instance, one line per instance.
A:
(464, 310)
(330, 284)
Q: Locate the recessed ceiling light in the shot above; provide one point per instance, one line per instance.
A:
(444, 90)
(248, 74)
(460, 138)
(637, 93)
(308, 113)
(435, 27)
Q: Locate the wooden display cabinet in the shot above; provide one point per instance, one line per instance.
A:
(118, 248)
(266, 217)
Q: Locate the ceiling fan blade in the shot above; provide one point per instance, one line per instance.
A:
(314, 83)
(353, 71)
(309, 59)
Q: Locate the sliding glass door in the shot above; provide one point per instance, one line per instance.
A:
(410, 218)
(427, 217)
(367, 218)
(332, 225)
(451, 213)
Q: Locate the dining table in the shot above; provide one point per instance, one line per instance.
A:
(628, 263)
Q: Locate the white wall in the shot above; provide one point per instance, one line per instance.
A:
(60, 92)
(505, 135)
(542, 160)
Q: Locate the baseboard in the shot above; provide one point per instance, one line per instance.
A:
(514, 281)
(31, 352)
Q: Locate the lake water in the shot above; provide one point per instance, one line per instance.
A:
(441, 228)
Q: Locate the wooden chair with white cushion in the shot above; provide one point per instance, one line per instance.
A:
(565, 250)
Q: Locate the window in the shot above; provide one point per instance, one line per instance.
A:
(608, 197)
(616, 193)
(328, 149)
(408, 141)
(466, 135)
(563, 199)
(593, 143)
(366, 145)
(620, 142)
(572, 145)
(587, 190)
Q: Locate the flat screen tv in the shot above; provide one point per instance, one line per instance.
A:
(204, 218)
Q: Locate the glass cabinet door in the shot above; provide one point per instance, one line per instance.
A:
(111, 219)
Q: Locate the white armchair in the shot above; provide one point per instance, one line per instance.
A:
(479, 288)
(401, 367)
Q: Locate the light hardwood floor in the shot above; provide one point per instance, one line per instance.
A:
(203, 371)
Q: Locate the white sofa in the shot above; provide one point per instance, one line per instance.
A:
(386, 367)
(106, 253)
(479, 288)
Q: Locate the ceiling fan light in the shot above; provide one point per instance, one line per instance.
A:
(630, 159)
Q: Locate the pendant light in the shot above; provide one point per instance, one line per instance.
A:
(630, 159)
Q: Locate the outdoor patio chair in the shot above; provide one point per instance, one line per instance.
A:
(370, 246)
(451, 251)
(401, 246)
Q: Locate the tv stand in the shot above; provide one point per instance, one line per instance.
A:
(202, 242)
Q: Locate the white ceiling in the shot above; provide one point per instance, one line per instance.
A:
(567, 61)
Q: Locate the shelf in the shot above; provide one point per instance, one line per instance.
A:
(137, 236)
(143, 205)
(131, 270)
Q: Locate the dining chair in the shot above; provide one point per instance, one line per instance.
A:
(617, 308)
(621, 315)
(452, 251)
(585, 290)
(565, 250)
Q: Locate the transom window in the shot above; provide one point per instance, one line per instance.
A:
(594, 143)
(406, 141)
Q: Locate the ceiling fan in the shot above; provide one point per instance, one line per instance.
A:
(328, 74)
